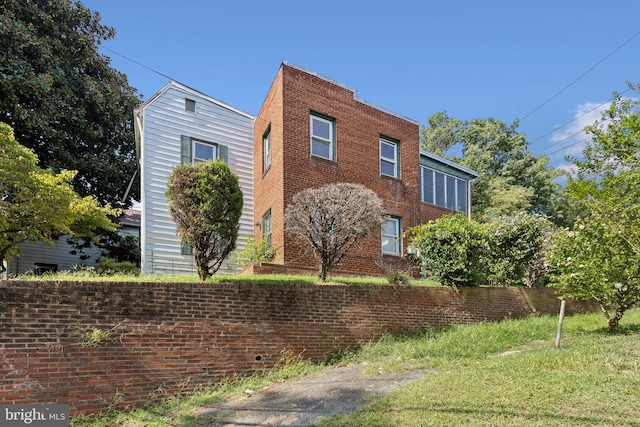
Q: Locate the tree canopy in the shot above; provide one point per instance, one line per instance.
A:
(511, 179)
(333, 218)
(600, 258)
(37, 204)
(62, 97)
(205, 201)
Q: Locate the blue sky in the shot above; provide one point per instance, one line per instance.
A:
(474, 59)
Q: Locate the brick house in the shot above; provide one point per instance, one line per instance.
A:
(313, 131)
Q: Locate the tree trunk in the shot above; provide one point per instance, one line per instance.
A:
(614, 322)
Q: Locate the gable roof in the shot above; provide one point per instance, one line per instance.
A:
(194, 93)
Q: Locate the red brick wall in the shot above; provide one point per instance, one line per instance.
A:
(358, 127)
(174, 336)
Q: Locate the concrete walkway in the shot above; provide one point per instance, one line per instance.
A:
(302, 402)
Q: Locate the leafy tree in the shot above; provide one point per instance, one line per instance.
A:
(333, 218)
(600, 258)
(62, 97)
(205, 201)
(37, 204)
(450, 249)
(511, 179)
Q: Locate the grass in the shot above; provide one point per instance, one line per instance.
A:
(180, 410)
(266, 279)
(498, 374)
(510, 374)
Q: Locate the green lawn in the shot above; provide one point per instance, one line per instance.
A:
(497, 374)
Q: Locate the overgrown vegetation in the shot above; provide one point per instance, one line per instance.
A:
(500, 374)
(255, 251)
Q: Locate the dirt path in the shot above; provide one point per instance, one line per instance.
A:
(303, 402)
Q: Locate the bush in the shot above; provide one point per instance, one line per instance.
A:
(516, 247)
(254, 252)
(398, 278)
(450, 249)
(109, 266)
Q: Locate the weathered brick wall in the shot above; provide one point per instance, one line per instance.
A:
(174, 336)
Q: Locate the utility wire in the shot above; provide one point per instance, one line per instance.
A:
(580, 77)
(139, 63)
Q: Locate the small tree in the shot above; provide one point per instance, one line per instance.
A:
(205, 201)
(450, 249)
(37, 204)
(600, 258)
(255, 251)
(333, 218)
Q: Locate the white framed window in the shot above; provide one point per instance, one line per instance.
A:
(391, 236)
(322, 137)
(443, 190)
(203, 151)
(266, 149)
(389, 158)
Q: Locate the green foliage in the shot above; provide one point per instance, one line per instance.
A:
(511, 179)
(398, 278)
(110, 266)
(516, 249)
(507, 251)
(205, 201)
(37, 204)
(600, 258)
(63, 98)
(255, 252)
(450, 249)
(121, 248)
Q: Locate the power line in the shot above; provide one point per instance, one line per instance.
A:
(139, 63)
(580, 77)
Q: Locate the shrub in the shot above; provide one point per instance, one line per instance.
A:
(205, 202)
(451, 249)
(255, 251)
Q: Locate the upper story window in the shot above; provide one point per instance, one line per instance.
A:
(322, 137)
(190, 105)
(204, 151)
(444, 190)
(389, 158)
(391, 236)
(266, 149)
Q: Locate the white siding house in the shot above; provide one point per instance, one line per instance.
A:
(178, 125)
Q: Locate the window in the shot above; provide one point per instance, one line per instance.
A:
(203, 151)
(266, 228)
(190, 105)
(322, 137)
(196, 150)
(389, 158)
(391, 236)
(444, 190)
(266, 149)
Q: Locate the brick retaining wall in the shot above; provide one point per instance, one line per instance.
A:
(175, 336)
